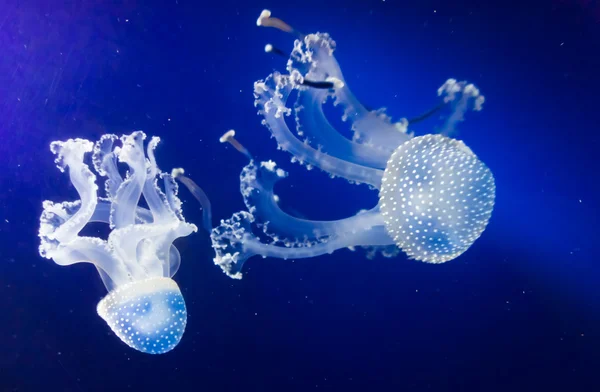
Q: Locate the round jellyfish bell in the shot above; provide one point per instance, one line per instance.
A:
(149, 316)
(436, 198)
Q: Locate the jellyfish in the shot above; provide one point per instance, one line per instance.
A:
(435, 195)
(144, 306)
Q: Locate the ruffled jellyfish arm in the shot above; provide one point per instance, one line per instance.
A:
(312, 124)
(105, 163)
(157, 201)
(234, 242)
(271, 96)
(461, 96)
(257, 184)
(128, 194)
(70, 155)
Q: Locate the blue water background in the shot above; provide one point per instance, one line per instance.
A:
(517, 312)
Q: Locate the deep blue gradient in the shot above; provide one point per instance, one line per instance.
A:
(518, 312)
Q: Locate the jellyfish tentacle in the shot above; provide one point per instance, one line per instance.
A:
(70, 155)
(462, 96)
(375, 236)
(229, 137)
(265, 19)
(271, 96)
(257, 187)
(269, 48)
(234, 243)
(171, 191)
(313, 58)
(155, 198)
(427, 114)
(105, 163)
(199, 194)
(312, 123)
(130, 191)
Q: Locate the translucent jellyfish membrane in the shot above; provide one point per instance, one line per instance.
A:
(456, 187)
(144, 306)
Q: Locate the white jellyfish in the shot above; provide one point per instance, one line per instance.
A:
(144, 306)
(436, 196)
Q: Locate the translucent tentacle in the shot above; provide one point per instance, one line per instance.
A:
(171, 191)
(129, 192)
(199, 194)
(256, 185)
(105, 163)
(234, 243)
(271, 96)
(463, 96)
(312, 124)
(313, 58)
(70, 155)
(155, 198)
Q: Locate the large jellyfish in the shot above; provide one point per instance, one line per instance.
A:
(435, 196)
(144, 306)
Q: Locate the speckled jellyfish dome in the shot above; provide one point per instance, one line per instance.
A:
(149, 316)
(436, 198)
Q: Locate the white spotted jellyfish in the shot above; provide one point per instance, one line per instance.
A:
(144, 306)
(435, 195)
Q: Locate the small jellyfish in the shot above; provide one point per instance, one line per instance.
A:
(144, 307)
(435, 195)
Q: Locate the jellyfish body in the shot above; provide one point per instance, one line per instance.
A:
(144, 306)
(436, 196)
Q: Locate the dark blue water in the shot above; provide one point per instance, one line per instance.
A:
(517, 312)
